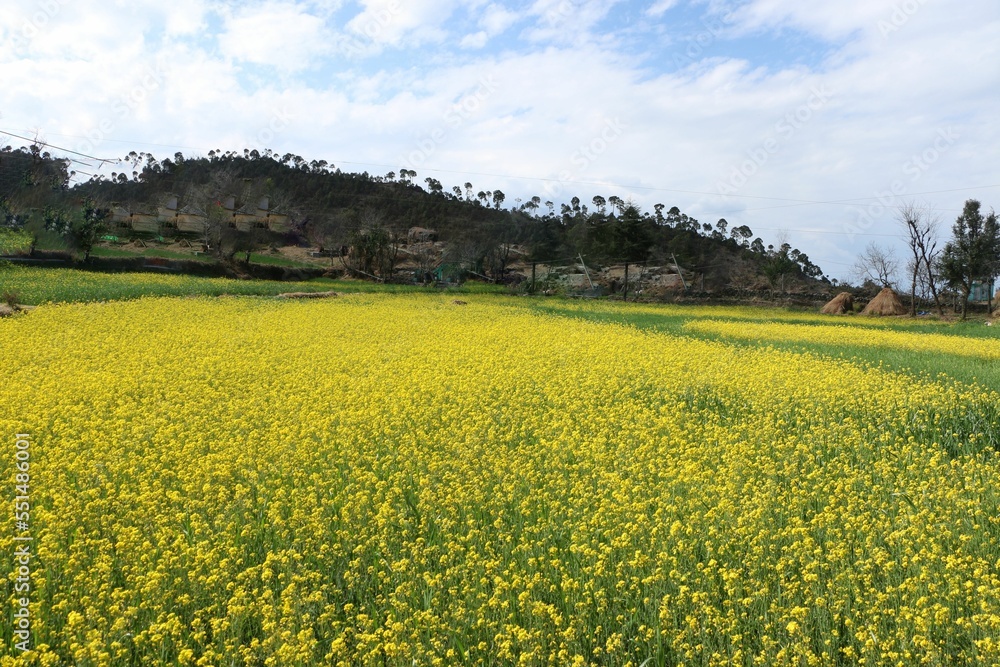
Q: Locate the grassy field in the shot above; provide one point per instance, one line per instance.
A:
(922, 346)
(13, 242)
(255, 258)
(397, 479)
(35, 286)
(101, 251)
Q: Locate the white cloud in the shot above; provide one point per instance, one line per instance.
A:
(412, 22)
(281, 35)
(568, 21)
(832, 21)
(496, 19)
(185, 17)
(476, 40)
(660, 7)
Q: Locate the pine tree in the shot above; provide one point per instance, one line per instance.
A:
(971, 255)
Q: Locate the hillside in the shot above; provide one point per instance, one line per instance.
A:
(229, 207)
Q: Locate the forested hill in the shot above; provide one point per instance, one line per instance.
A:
(331, 207)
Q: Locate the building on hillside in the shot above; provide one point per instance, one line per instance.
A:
(146, 223)
(143, 221)
(256, 216)
(120, 218)
(279, 222)
(247, 219)
(184, 219)
(169, 215)
(191, 220)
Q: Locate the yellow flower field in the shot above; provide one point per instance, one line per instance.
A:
(987, 349)
(399, 480)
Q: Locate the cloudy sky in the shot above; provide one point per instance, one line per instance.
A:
(804, 119)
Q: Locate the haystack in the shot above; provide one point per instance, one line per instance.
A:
(885, 302)
(840, 304)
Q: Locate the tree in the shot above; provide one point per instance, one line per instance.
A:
(545, 240)
(778, 265)
(876, 264)
(971, 255)
(498, 256)
(57, 220)
(600, 203)
(741, 235)
(90, 227)
(720, 230)
(630, 238)
(921, 237)
(374, 247)
(533, 204)
(498, 198)
(923, 290)
(225, 194)
(329, 232)
(617, 203)
(434, 186)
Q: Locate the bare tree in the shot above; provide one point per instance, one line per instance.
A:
(215, 227)
(469, 253)
(330, 232)
(499, 242)
(921, 237)
(876, 264)
(923, 288)
(427, 259)
(207, 197)
(497, 259)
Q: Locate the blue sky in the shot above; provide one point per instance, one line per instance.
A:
(809, 121)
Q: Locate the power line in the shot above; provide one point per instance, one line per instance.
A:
(38, 142)
(618, 186)
(845, 202)
(830, 261)
(822, 231)
(127, 142)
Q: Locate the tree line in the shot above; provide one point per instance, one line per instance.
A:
(969, 258)
(365, 218)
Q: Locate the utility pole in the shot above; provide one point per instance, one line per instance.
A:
(679, 274)
(586, 271)
(533, 277)
(625, 293)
